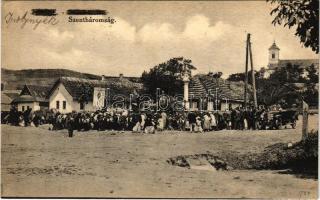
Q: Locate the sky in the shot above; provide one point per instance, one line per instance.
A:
(210, 33)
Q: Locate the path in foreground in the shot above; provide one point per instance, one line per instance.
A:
(38, 162)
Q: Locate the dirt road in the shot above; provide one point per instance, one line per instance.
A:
(38, 163)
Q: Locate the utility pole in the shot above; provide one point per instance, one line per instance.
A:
(246, 73)
(253, 78)
(217, 98)
(305, 110)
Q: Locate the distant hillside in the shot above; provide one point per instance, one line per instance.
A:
(15, 79)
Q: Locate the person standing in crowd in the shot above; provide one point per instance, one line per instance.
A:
(70, 125)
(213, 121)
(95, 121)
(245, 118)
(136, 120)
(249, 116)
(227, 120)
(14, 116)
(265, 118)
(160, 123)
(26, 116)
(77, 121)
(149, 124)
(207, 122)
(36, 119)
(241, 119)
(192, 121)
(237, 119)
(21, 119)
(180, 121)
(170, 122)
(221, 121)
(143, 121)
(253, 118)
(198, 126)
(233, 119)
(164, 119)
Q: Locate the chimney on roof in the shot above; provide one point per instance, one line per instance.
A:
(103, 77)
(121, 76)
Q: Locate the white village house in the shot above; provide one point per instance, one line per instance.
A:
(32, 96)
(204, 92)
(66, 93)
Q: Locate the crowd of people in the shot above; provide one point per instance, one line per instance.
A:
(148, 122)
(25, 118)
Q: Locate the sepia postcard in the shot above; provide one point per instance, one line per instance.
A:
(160, 99)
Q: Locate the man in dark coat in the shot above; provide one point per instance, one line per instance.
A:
(233, 119)
(149, 124)
(70, 125)
(26, 116)
(78, 122)
(192, 120)
(241, 118)
(14, 116)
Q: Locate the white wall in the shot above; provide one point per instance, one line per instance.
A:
(61, 94)
(87, 107)
(210, 106)
(274, 60)
(224, 105)
(193, 105)
(33, 105)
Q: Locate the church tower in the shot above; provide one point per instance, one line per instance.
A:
(273, 56)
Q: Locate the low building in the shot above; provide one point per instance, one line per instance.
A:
(7, 96)
(32, 96)
(208, 93)
(76, 94)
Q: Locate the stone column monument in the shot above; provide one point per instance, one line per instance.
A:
(186, 80)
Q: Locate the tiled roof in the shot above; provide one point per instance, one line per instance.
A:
(303, 63)
(5, 99)
(37, 93)
(196, 89)
(24, 99)
(5, 102)
(117, 86)
(12, 94)
(7, 96)
(202, 85)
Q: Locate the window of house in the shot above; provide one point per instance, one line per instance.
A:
(81, 106)
(28, 107)
(57, 104)
(22, 108)
(64, 105)
(273, 55)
